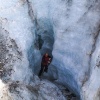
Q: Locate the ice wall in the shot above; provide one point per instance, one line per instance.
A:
(17, 35)
(75, 24)
(16, 27)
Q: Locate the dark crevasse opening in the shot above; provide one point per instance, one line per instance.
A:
(42, 43)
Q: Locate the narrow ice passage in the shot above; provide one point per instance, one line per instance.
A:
(45, 38)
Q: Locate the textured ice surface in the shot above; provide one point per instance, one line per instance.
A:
(69, 28)
(16, 37)
(76, 26)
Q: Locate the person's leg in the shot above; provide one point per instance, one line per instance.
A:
(46, 69)
(42, 67)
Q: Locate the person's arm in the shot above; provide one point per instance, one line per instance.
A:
(49, 61)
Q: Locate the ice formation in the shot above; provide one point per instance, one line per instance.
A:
(69, 31)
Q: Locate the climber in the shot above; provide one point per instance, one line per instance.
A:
(46, 60)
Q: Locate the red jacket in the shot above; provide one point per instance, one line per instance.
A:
(45, 60)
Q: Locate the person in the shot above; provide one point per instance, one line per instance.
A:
(46, 60)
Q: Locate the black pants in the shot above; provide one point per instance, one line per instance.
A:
(43, 69)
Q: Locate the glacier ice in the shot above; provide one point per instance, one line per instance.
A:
(70, 31)
(76, 30)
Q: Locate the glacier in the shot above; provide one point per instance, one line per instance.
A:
(68, 31)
